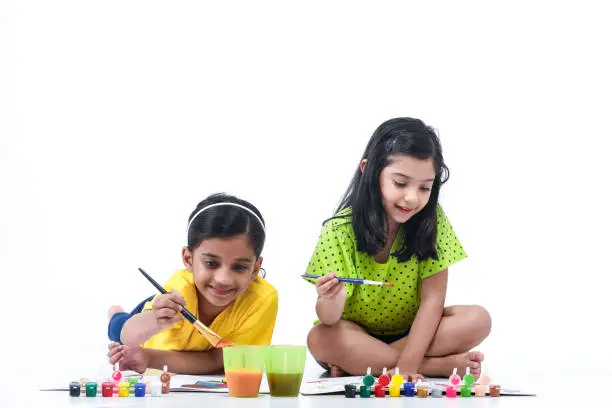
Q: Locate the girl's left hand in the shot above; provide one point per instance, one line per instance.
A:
(129, 358)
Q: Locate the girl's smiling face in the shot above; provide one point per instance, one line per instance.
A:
(405, 185)
(222, 268)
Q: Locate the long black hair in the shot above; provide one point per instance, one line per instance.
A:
(396, 136)
(225, 221)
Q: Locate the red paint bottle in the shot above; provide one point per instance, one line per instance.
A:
(380, 391)
(107, 389)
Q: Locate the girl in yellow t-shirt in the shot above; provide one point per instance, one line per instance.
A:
(389, 227)
(220, 285)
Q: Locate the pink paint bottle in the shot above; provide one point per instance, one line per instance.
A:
(454, 379)
(117, 375)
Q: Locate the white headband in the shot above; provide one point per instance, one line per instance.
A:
(225, 203)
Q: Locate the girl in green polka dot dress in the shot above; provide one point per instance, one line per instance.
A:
(389, 227)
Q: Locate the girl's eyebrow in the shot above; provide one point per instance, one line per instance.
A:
(408, 177)
(218, 257)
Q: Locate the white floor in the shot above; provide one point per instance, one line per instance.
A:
(558, 389)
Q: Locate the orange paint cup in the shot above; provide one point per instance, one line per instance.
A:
(244, 366)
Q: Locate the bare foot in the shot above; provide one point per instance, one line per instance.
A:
(443, 366)
(114, 309)
(335, 371)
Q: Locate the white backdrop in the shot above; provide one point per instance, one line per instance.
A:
(116, 118)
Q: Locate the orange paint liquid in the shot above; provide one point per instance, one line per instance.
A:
(243, 383)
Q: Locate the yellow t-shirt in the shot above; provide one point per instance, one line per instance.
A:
(249, 320)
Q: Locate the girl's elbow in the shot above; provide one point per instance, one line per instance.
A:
(129, 340)
(329, 320)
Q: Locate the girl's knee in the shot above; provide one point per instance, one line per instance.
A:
(327, 342)
(316, 341)
(480, 320)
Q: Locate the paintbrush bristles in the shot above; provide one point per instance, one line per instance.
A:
(210, 335)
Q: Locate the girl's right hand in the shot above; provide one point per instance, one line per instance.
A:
(167, 309)
(129, 358)
(328, 287)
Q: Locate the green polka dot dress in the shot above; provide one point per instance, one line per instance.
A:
(380, 310)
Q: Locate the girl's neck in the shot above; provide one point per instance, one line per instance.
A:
(383, 255)
(207, 312)
(392, 228)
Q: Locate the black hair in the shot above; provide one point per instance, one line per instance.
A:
(225, 221)
(406, 136)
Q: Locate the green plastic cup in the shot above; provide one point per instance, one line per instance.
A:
(244, 366)
(284, 369)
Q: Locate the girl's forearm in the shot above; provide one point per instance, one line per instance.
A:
(329, 311)
(420, 336)
(187, 362)
(138, 329)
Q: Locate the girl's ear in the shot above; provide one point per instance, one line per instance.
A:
(362, 165)
(257, 268)
(187, 259)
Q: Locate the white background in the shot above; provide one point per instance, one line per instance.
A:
(117, 117)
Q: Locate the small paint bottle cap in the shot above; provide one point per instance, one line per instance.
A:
(165, 388)
(454, 379)
(75, 389)
(147, 383)
(83, 380)
(384, 378)
(350, 390)
(380, 391)
(422, 390)
(156, 389)
(480, 390)
(91, 389)
(165, 376)
(368, 379)
(484, 380)
(451, 392)
(397, 378)
(124, 389)
(364, 391)
(117, 375)
(409, 389)
(139, 389)
(107, 388)
(468, 379)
